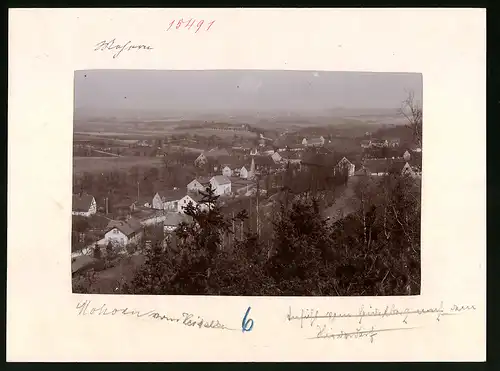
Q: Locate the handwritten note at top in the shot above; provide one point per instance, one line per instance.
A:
(117, 48)
(190, 24)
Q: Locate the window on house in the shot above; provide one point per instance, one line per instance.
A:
(115, 231)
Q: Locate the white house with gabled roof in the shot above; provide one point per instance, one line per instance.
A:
(226, 171)
(197, 185)
(183, 202)
(84, 205)
(122, 233)
(345, 164)
(243, 173)
(221, 184)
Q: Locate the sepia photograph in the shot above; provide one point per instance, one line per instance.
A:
(246, 183)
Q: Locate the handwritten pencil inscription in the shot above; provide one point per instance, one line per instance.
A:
(190, 24)
(84, 308)
(327, 323)
(117, 49)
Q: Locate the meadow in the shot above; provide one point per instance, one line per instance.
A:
(209, 132)
(102, 164)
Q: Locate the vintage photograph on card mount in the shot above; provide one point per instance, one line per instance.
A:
(246, 183)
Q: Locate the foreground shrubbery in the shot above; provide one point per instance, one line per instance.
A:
(375, 251)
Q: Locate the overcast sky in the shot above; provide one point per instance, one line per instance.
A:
(240, 90)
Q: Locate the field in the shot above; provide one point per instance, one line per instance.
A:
(125, 136)
(351, 124)
(101, 164)
(209, 132)
(188, 149)
(100, 136)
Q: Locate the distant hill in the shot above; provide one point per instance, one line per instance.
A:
(126, 114)
(346, 123)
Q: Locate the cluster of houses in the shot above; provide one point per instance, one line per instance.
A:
(405, 164)
(314, 142)
(237, 166)
(131, 230)
(408, 164)
(383, 166)
(166, 207)
(380, 143)
(227, 127)
(234, 177)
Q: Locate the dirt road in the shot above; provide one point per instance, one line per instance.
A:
(345, 202)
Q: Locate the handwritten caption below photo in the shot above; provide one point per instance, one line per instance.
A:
(367, 322)
(86, 307)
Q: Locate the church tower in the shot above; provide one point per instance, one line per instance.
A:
(251, 173)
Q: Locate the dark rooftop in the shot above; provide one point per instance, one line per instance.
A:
(82, 202)
(127, 227)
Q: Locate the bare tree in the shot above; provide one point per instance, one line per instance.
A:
(412, 112)
(365, 193)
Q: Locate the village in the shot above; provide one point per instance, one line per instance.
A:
(248, 176)
(246, 182)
